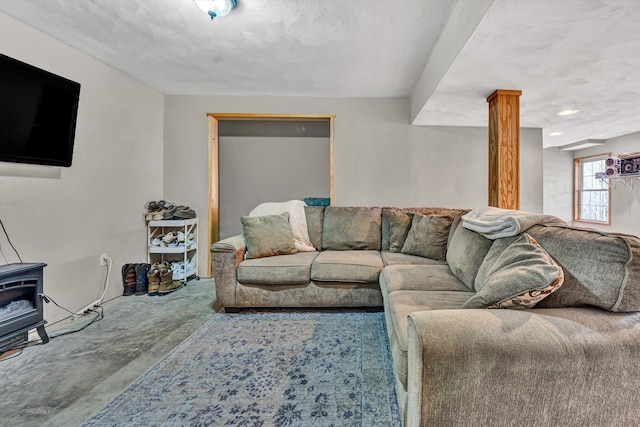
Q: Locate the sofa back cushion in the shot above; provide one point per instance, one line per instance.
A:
(600, 269)
(388, 213)
(465, 253)
(347, 228)
(314, 215)
(399, 226)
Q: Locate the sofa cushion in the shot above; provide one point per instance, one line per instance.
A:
(393, 258)
(278, 270)
(399, 225)
(268, 235)
(359, 266)
(346, 228)
(314, 215)
(601, 269)
(519, 276)
(428, 236)
(420, 278)
(465, 253)
(399, 304)
(297, 220)
(386, 212)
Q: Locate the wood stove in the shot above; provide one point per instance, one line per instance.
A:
(21, 301)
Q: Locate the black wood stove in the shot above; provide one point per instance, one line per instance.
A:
(21, 301)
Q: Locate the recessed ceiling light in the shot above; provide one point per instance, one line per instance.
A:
(568, 112)
(555, 133)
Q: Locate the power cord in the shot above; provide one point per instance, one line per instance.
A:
(106, 280)
(99, 316)
(9, 240)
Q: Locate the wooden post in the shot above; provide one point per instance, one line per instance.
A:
(504, 149)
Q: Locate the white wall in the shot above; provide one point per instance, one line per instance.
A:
(558, 183)
(559, 186)
(67, 217)
(379, 158)
(625, 202)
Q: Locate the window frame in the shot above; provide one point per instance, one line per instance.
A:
(577, 189)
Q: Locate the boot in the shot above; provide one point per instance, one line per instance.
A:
(167, 284)
(153, 281)
(129, 279)
(142, 281)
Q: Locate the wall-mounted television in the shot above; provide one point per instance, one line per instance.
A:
(38, 112)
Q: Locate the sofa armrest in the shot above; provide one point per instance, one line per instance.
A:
(226, 254)
(569, 367)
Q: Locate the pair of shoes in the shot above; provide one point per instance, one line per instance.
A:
(167, 284)
(134, 278)
(170, 237)
(153, 276)
(184, 212)
(182, 237)
(160, 210)
(129, 279)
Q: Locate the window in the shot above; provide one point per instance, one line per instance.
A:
(592, 195)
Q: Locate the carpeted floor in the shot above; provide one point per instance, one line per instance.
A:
(66, 381)
(268, 369)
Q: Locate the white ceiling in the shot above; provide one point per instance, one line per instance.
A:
(562, 54)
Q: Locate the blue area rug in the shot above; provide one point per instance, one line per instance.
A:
(266, 369)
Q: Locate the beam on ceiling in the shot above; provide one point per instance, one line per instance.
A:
(464, 19)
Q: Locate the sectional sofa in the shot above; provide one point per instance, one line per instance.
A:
(517, 319)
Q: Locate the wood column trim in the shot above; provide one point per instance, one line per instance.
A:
(504, 149)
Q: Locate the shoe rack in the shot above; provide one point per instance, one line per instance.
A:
(171, 249)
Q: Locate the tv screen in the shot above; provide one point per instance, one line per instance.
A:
(38, 111)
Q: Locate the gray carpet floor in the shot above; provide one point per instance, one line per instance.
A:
(66, 381)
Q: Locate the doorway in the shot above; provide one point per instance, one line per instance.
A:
(230, 133)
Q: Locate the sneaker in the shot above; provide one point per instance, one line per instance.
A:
(170, 237)
(129, 279)
(184, 212)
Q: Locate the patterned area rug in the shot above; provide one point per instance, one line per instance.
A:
(283, 369)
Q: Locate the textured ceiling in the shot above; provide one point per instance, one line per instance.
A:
(569, 54)
(562, 54)
(352, 48)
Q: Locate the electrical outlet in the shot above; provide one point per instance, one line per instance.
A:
(103, 258)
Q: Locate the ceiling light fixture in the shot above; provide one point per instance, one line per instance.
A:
(582, 144)
(216, 8)
(568, 112)
(555, 133)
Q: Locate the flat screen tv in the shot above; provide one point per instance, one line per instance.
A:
(38, 111)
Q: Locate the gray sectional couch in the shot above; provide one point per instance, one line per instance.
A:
(572, 359)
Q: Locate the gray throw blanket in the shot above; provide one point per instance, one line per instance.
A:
(495, 223)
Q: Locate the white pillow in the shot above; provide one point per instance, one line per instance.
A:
(297, 220)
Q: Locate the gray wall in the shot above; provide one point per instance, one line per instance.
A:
(559, 187)
(254, 170)
(67, 217)
(558, 183)
(625, 202)
(380, 159)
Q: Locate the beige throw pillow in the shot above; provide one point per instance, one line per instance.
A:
(516, 276)
(268, 235)
(428, 236)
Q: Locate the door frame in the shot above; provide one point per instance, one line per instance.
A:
(214, 178)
